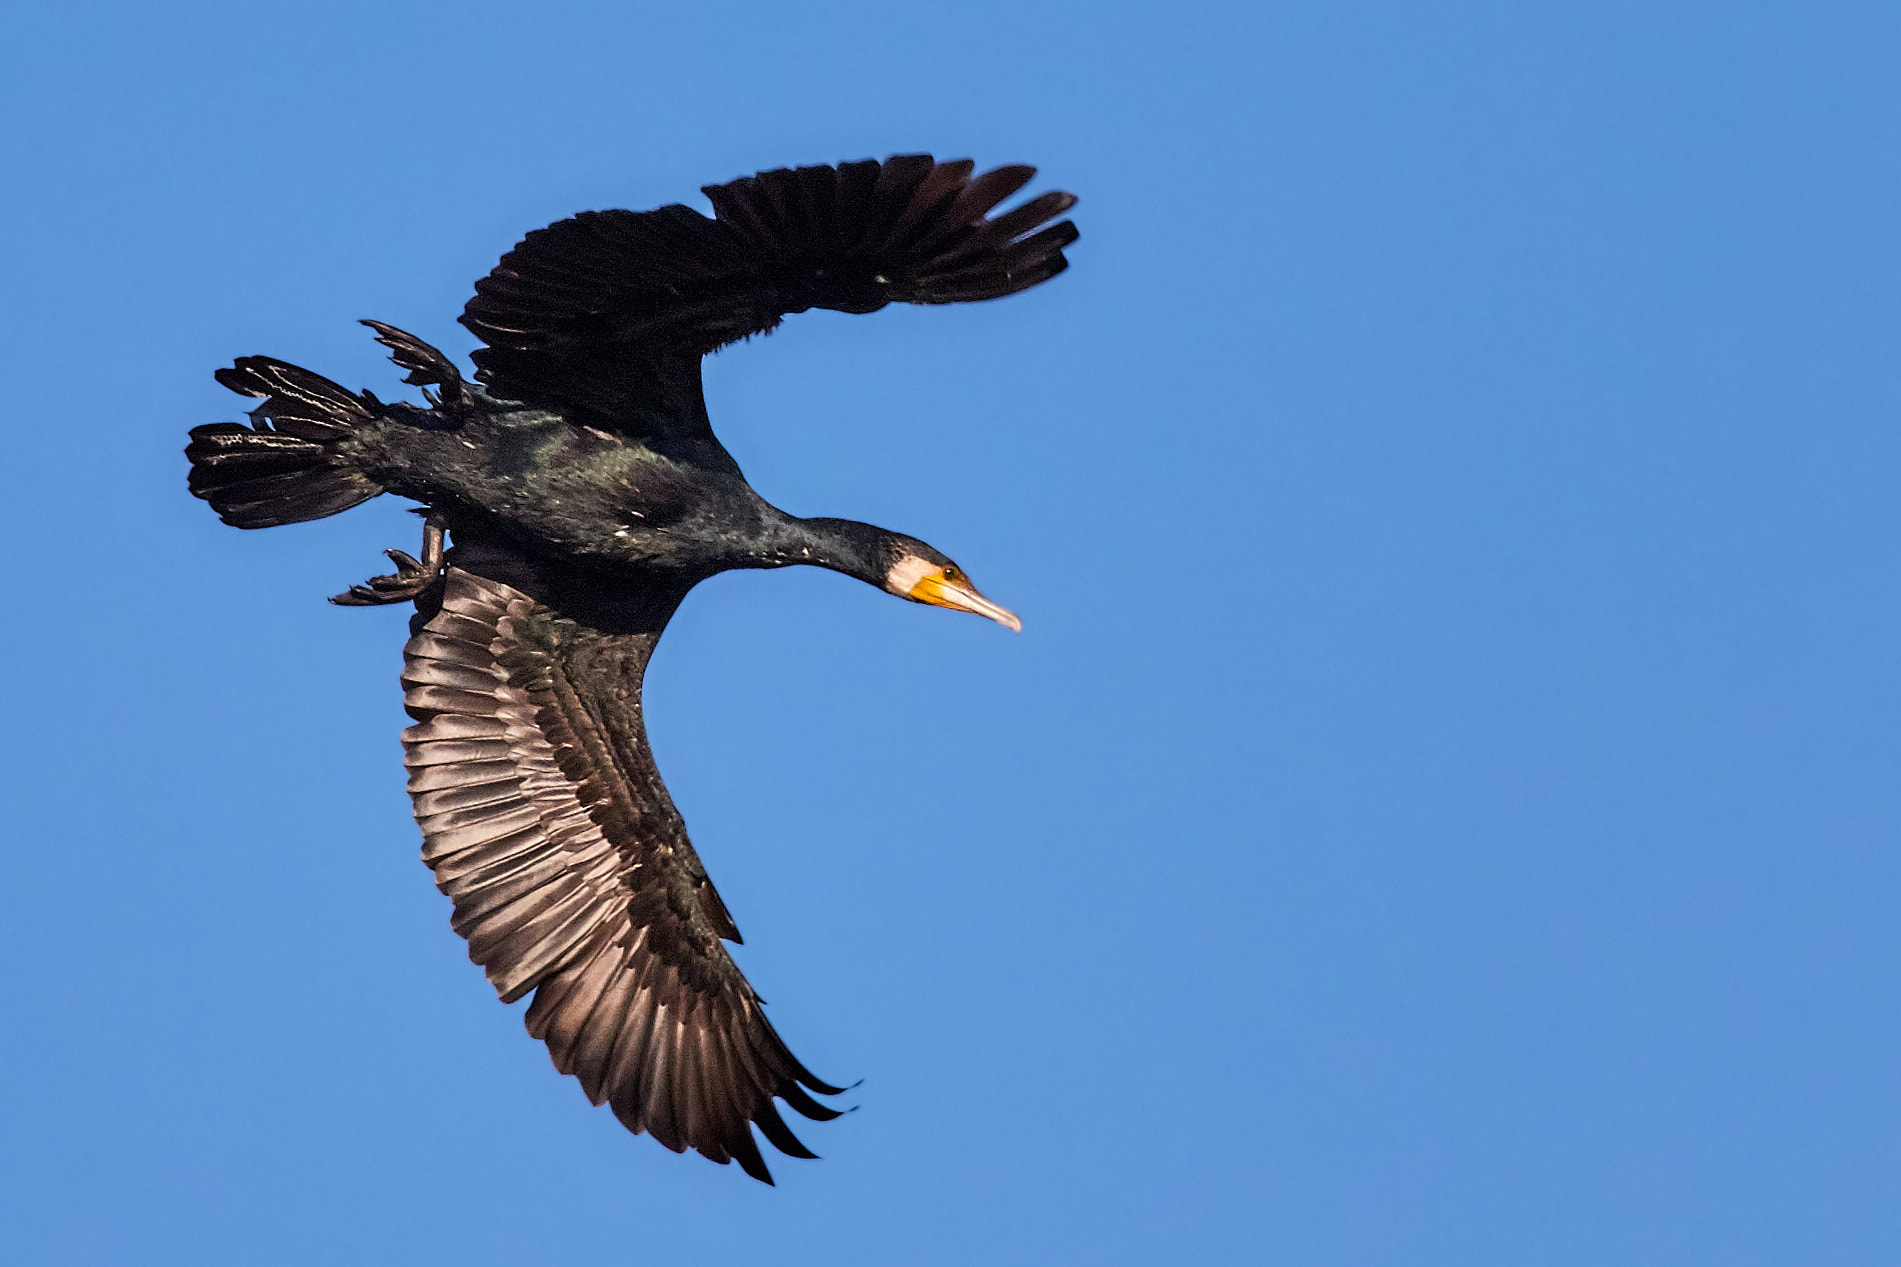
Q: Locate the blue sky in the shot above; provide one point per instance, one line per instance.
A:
(1442, 807)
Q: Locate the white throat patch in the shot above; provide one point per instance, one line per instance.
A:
(907, 572)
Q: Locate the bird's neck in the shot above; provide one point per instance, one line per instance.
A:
(843, 545)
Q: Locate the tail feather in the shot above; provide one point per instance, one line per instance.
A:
(427, 366)
(288, 465)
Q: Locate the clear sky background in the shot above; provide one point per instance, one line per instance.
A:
(1442, 808)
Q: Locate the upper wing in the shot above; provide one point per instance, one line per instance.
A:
(545, 820)
(602, 308)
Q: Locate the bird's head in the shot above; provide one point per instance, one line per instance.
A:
(893, 562)
(924, 575)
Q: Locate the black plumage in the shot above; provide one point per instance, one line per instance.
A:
(584, 494)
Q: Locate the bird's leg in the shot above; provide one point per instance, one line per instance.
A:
(412, 576)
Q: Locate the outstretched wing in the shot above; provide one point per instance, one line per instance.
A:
(598, 310)
(545, 820)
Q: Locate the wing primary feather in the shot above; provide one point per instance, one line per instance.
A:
(733, 1095)
(746, 1153)
(660, 1096)
(805, 1105)
(1020, 220)
(773, 1127)
(898, 181)
(983, 194)
(696, 1127)
(718, 1091)
(933, 194)
(627, 1072)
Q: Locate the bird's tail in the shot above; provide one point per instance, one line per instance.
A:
(299, 459)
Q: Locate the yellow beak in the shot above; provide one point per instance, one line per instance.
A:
(961, 595)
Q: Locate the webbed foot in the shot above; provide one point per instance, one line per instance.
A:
(411, 577)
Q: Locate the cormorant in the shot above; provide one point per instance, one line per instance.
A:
(585, 493)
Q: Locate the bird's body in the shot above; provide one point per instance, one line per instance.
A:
(586, 494)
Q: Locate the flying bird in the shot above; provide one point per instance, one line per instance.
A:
(574, 492)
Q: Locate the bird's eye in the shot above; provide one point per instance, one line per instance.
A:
(950, 574)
